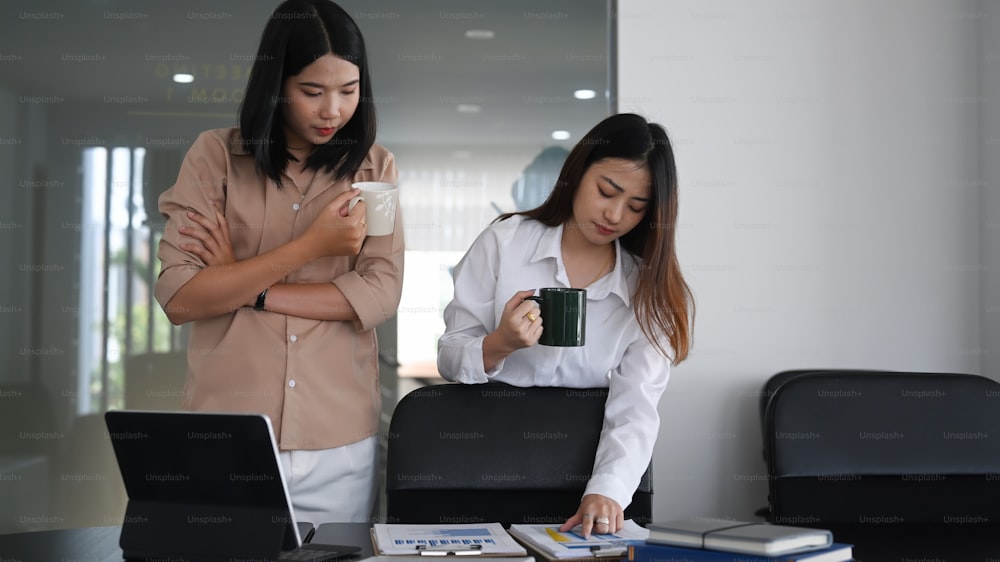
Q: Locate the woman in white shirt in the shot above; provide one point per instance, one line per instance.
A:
(608, 226)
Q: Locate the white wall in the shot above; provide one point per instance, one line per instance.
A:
(989, 142)
(830, 187)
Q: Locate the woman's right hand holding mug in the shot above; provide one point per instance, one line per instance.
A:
(520, 326)
(521, 322)
(339, 230)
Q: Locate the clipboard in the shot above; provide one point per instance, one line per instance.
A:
(404, 558)
(545, 542)
(478, 541)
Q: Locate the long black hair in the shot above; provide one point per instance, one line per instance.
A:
(663, 301)
(298, 33)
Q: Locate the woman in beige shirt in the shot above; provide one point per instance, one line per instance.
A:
(281, 284)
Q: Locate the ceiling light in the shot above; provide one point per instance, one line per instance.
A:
(183, 78)
(584, 94)
(479, 34)
(560, 135)
(469, 108)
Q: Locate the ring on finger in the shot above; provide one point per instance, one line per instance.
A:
(602, 521)
(588, 515)
(531, 318)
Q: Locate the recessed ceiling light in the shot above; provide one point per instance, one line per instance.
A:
(584, 94)
(183, 78)
(479, 34)
(469, 108)
(560, 135)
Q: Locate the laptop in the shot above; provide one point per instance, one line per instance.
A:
(205, 487)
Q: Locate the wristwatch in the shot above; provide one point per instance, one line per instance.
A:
(259, 305)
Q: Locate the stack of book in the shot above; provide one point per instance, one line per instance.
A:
(714, 540)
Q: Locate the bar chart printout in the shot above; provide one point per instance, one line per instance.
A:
(556, 544)
(491, 538)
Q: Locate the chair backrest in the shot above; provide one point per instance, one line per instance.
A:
(849, 447)
(492, 452)
(777, 380)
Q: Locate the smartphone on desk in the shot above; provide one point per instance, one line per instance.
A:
(318, 552)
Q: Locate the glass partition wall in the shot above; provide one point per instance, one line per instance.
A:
(480, 101)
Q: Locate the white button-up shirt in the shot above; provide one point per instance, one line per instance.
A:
(520, 254)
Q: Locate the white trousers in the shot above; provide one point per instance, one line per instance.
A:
(333, 485)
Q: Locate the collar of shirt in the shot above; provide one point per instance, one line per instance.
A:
(238, 147)
(550, 247)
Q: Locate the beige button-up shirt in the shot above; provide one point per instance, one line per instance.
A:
(317, 380)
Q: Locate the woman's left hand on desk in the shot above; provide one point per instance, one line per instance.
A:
(597, 513)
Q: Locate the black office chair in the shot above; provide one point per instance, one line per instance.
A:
(496, 453)
(776, 381)
(880, 447)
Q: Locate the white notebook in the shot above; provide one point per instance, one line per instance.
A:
(761, 539)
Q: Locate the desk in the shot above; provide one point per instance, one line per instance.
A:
(94, 544)
(100, 544)
(891, 543)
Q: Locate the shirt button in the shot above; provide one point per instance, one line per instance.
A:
(295, 206)
(291, 383)
(294, 338)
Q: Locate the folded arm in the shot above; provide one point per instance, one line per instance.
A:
(222, 286)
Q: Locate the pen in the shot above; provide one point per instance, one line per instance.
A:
(453, 550)
(607, 550)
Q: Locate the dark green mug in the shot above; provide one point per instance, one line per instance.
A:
(564, 316)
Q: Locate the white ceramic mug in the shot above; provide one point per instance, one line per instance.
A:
(381, 200)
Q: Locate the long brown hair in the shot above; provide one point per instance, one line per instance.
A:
(663, 301)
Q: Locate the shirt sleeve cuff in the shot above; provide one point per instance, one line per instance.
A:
(171, 280)
(464, 363)
(478, 345)
(474, 357)
(609, 485)
(361, 299)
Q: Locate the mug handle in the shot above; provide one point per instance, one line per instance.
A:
(354, 201)
(533, 298)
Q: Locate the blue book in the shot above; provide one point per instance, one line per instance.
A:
(647, 552)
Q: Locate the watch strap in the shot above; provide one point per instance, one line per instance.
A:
(259, 305)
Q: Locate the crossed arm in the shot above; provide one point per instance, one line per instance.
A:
(226, 284)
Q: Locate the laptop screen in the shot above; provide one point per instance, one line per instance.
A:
(195, 477)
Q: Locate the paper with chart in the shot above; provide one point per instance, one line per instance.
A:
(553, 543)
(395, 539)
